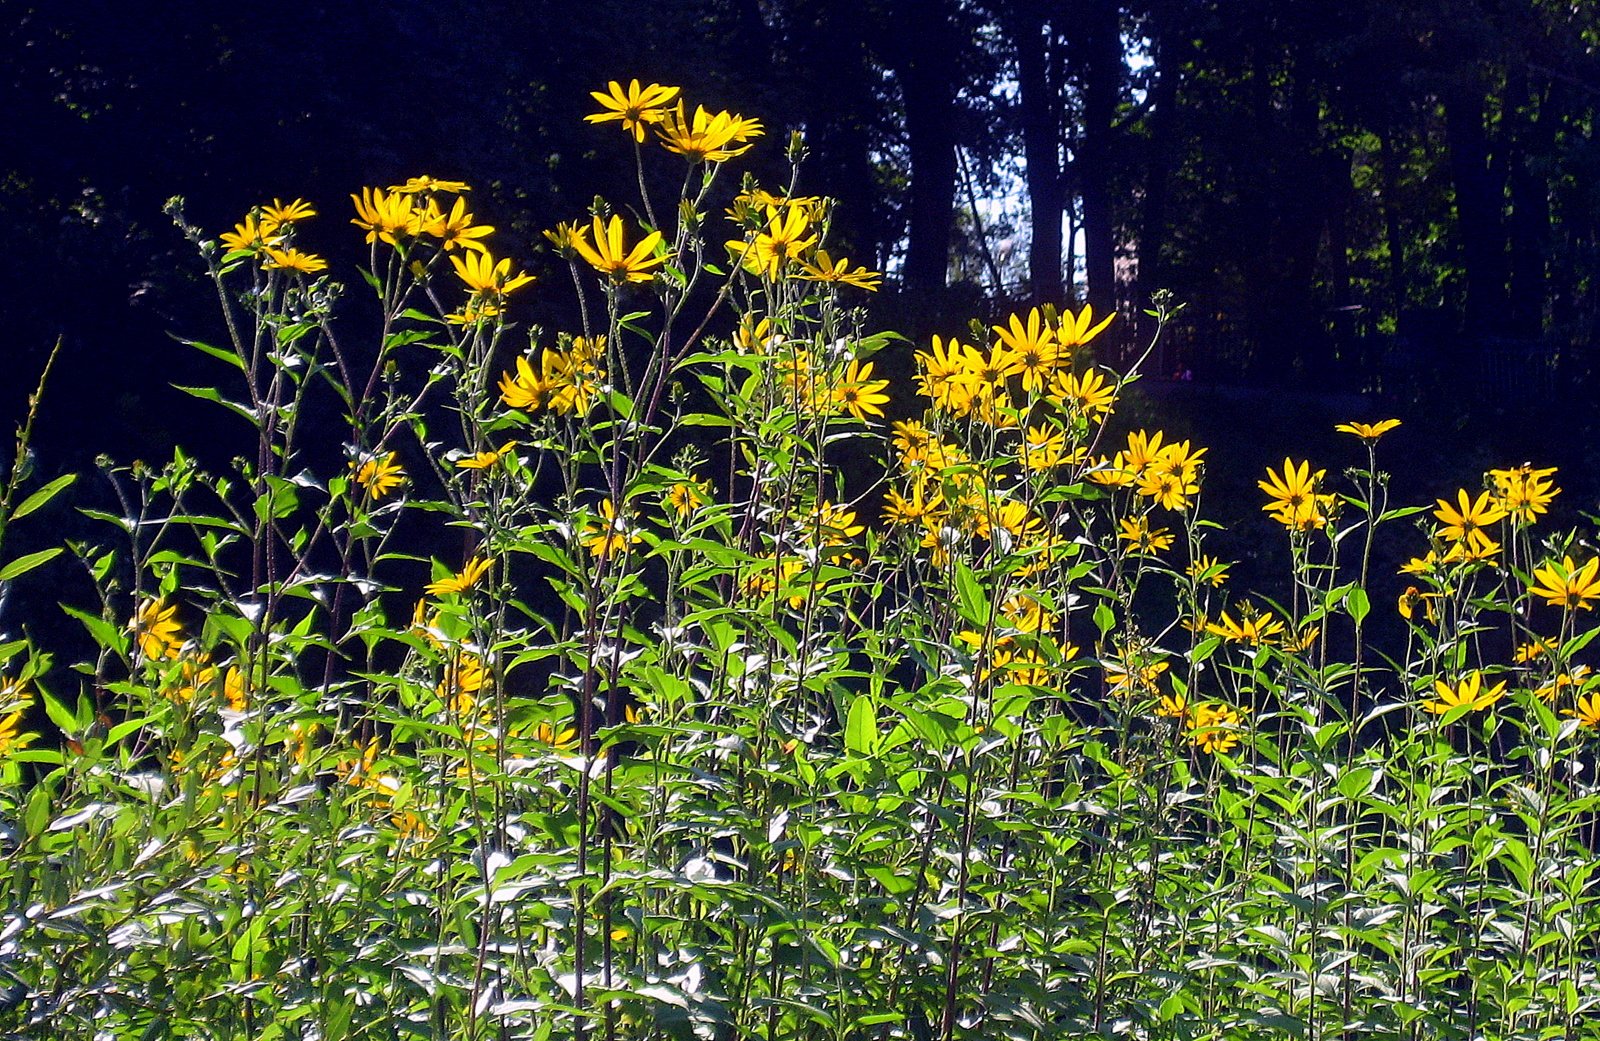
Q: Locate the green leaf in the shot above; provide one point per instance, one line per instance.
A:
(221, 353)
(974, 604)
(861, 727)
(1357, 603)
(25, 564)
(43, 495)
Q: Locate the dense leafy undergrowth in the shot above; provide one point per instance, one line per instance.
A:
(644, 680)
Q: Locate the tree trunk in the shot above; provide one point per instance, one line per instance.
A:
(1102, 73)
(924, 68)
(1040, 103)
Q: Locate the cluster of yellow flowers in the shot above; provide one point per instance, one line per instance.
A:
(191, 673)
(567, 382)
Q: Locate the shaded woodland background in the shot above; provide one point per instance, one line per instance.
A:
(1397, 199)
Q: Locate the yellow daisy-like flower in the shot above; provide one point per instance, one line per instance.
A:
(1129, 674)
(379, 474)
(454, 229)
(947, 375)
(386, 217)
(1136, 532)
(561, 738)
(784, 241)
(1535, 649)
(1467, 516)
(823, 268)
(157, 631)
(12, 737)
(635, 107)
(1173, 706)
(252, 233)
(1207, 569)
(1091, 394)
(484, 460)
(1576, 680)
(920, 508)
(281, 213)
(1214, 727)
(1586, 711)
(1033, 345)
(1294, 500)
(564, 237)
(684, 497)
(1567, 584)
(610, 535)
(424, 183)
(1252, 629)
(706, 138)
(1414, 599)
(462, 580)
(1075, 330)
(487, 277)
(858, 393)
(1525, 493)
(1468, 692)
(1368, 431)
(293, 260)
(611, 258)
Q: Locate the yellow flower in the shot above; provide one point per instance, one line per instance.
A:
(1075, 330)
(859, 394)
(705, 137)
(1538, 648)
(486, 277)
(1034, 347)
(1587, 711)
(462, 580)
(464, 676)
(252, 233)
(1252, 628)
(564, 237)
(1477, 546)
(611, 258)
(454, 228)
(1566, 584)
(1414, 598)
(294, 260)
(385, 217)
(1043, 448)
(1523, 492)
(635, 107)
(825, 269)
(1207, 569)
(1368, 431)
(610, 535)
(424, 183)
(1576, 680)
(561, 738)
(684, 497)
(1114, 472)
(1024, 613)
(1141, 539)
(1143, 448)
(1090, 394)
(1128, 674)
(280, 212)
(156, 628)
(472, 312)
(1467, 693)
(379, 474)
(771, 251)
(1457, 523)
(1214, 727)
(1294, 500)
(1173, 706)
(947, 375)
(12, 738)
(484, 460)
(919, 508)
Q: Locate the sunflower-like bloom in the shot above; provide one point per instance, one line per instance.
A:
(385, 216)
(424, 183)
(1469, 692)
(919, 508)
(1252, 629)
(565, 237)
(612, 258)
(1042, 448)
(561, 738)
(1033, 345)
(1368, 432)
(462, 580)
(824, 268)
(784, 240)
(1587, 711)
(1577, 680)
(1172, 475)
(293, 260)
(1090, 394)
(1139, 536)
(1467, 516)
(1294, 500)
(454, 229)
(1524, 492)
(610, 535)
(636, 107)
(1413, 600)
(379, 474)
(1214, 727)
(684, 497)
(487, 277)
(858, 393)
(1206, 568)
(252, 233)
(484, 460)
(947, 376)
(280, 212)
(1143, 448)
(157, 631)
(12, 738)
(1566, 584)
(1075, 330)
(706, 138)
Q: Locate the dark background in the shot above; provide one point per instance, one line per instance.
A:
(1371, 208)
